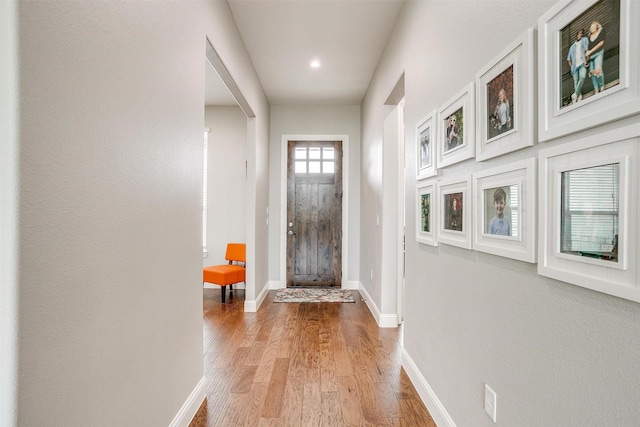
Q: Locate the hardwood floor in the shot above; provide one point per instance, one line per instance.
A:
(303, 364)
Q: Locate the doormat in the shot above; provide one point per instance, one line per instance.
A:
(314, 295)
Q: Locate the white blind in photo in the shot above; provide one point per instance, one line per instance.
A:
(590, 205)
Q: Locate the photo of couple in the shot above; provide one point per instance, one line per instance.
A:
(590, 50)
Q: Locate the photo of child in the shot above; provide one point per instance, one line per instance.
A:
(425, 154)
(425, 210)
(500, 223)
(453, 131)
(453, 211)
(500, 104)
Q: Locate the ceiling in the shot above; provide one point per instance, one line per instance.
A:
(347, 37)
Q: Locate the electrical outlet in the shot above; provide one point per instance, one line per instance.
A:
(490, 402)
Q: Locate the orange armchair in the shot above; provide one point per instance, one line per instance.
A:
(228, 274)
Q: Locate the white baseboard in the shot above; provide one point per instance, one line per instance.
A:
(383, 320)
(251, 306)
(276, 284)
(351, 284)
(427, 395)
(388, 321)
(190, 406)
(262, 296)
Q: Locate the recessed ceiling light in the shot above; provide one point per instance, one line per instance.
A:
(315, 64)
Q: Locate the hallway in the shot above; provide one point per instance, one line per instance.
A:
(303, 364)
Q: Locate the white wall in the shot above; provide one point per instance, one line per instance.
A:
(371, 167)
(387, 271)
(321, 120)
(227, 180)
(8, 210)
(257, 203)
(110, 290)
(556, 354)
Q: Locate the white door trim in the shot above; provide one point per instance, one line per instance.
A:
(283, 200)
(401, 212)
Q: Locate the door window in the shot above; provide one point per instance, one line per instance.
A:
(312, 159)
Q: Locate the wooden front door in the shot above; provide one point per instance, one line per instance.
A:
(314, 213)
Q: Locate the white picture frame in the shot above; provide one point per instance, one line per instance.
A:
(425, 147)
(455, 205)
(456, 128)
(505, 100)
(426, 221)
(557, 114)
(513, 235)
(619, 276)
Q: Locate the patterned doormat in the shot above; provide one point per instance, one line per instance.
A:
(314, 295)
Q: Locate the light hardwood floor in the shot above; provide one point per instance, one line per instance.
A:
(303, 364)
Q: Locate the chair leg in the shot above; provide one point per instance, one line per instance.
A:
(223, 293)
(230, 289)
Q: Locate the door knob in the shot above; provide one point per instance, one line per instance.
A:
(290, 224)
(290, 233)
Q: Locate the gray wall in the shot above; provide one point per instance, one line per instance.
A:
(110, 175)
(9, 149)
(321, 120)
(556, 354)
(227, 180)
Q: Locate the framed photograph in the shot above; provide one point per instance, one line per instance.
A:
(455, 207)
(587, 64)
(505, 215)
(505, 100)
(589, 197)
(456, 130)
(425, 153)
(426, 214)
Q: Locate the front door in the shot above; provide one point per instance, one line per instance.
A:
(314, 213)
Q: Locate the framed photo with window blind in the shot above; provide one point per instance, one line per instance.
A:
(587, 65)
(505, 215)
(588, 206)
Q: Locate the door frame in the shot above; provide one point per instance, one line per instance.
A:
(401, 260)
(283, 201)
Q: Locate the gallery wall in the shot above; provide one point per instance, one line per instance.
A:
(554, 353)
